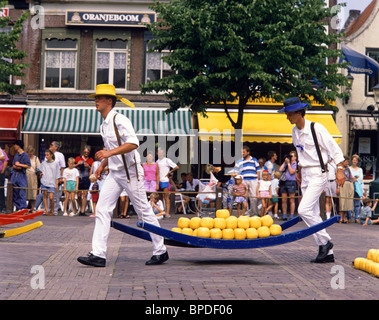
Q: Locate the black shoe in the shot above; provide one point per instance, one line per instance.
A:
(328, 258)
(82, 214)
(157, 259)
(92, 260)
(323, 252)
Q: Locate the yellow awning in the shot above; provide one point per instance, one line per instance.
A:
(260, 126)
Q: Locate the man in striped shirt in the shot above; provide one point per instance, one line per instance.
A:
(249, 168)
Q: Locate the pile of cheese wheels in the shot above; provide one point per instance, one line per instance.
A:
(369, 264)
(225, 226)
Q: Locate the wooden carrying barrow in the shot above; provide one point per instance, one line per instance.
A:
(182, 240)
(19, 217)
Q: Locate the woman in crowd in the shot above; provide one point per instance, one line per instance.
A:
(31, 176)
(83, 164)
(151, 173)
(346, 192)
(289, 186)
(359, 188)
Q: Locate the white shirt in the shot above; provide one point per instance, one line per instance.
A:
(127, 135)
(332, 170)
(59, 158)
(195, 183)
(305, 147)
(70, 174)
(159, 204)
(264, 185)
(165, 164)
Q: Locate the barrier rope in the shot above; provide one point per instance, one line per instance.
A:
(189, 192)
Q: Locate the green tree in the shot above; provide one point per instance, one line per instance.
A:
(10, 56)
(247, 47)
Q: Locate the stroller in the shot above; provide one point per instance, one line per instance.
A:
(206, 199)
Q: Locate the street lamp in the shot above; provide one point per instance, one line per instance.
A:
(350, 79)
(374, 185)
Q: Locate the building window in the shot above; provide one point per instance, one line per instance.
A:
(60, 63)
(372, 81)
(156, 68)
(111, 66)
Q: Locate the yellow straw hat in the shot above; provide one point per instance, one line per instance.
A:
(110, 90)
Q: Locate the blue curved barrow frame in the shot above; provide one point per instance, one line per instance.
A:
(183, 240)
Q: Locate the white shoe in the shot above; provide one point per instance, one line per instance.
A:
(72, 214)
(65, 214)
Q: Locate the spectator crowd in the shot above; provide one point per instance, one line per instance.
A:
(253, 187)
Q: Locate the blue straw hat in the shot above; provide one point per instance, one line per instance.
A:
(293, 104)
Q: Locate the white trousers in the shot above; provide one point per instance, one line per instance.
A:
(113, 185)
(312, 185)
(252, 186)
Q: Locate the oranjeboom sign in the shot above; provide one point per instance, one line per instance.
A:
(96, 18)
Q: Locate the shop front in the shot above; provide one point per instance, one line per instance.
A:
(76, 127)
(263, 129)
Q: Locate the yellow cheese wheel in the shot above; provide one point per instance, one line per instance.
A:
(231, 222)
(371, 253)
(375, 269)
(263, 232)
(251, 233)
(228, 234)
(195, 233)
(357, 262)
(187, 231)
(239, 234)
(216, 233)
(183, 222)
(369, 265)
(207, 222)
(375, 256)
(362, 264)
(219, 223)
(267, 221)
(177, 230)
(203, 232)
(243, 222)
(255, 222)
(275, 230)
(222, 213)
(195, 223)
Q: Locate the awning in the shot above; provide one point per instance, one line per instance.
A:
(260, 126)
(363, 123)
(360, 63)
(86, 120)
(9, 118)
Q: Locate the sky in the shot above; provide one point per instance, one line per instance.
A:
(352, 5)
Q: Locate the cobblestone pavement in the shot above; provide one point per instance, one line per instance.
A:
(274, 273)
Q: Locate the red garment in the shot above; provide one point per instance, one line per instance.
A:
(89, 160)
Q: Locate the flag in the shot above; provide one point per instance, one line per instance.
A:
(359, 63)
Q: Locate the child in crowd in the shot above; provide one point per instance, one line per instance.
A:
(94, 193)
(71, 183)
(366, 211)
(151, 173)
(264, 192)
(50, 174)
(240, 193)
(275, 192)
(157, 205)
(228, 194)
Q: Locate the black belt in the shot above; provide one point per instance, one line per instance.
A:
(332, 180)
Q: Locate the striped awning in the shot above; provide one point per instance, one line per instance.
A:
(86, 120)
(363, 123)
